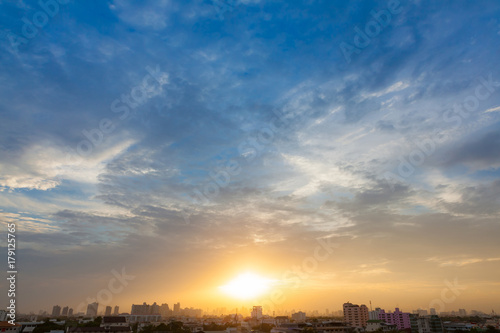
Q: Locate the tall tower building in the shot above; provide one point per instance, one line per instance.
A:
(92, 309)
(107, 312)
(116, 311)
(355, 315)
(56, 311)
(257, 312)
(155, 308)
(65, 311)
(164, 310)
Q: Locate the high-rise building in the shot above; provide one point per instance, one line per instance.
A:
(462, 312)
(145, 309)
(177, 308)
(70, 312)
(165, 310)
(116, 311)
(107, 312)
(142, 309)
(426, 324)
(433, 311)
(257, 312)
(355, 315)
(398, 318)
(373, 315)
(299, 317)
(92, 309)
(436, 324)
(56, 311)
(155, 308)
(420, 312)
(65, 311)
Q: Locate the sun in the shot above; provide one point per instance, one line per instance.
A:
(247, 286)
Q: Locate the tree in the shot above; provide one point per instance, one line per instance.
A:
(161, 327)
(177, 327)
(491, 329)
(264, 327)
(47, 326)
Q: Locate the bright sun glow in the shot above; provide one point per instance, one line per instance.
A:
(247, 286)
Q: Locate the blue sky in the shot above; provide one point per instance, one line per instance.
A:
(391, 150)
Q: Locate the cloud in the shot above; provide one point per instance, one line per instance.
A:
(44, 166)
(478, 153)
(494, 109)
(143, 16)
(322, 175)
(460, 262)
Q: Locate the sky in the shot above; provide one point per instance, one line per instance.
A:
(152, 151)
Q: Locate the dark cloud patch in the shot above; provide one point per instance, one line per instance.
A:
(478, 200)
(482, 153)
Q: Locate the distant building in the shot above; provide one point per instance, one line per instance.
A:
(70, 312)
(299, 317)
(287, 328)
(452, 326)
(373, 315)
(145, 309)
(355, 315)
(107, 312)
(65, 311)
(281, 320)
(420, 312)
(332, 327)
(426, 324)
(140, 309)
(114, 321)
(256, 312)
(177, 308)
(165, 310)
(373, 325)
(115, 312)
(143, 318)
(56, 311)
(433, 311)
(462, 312)
(99, 329)
(155, 308)
(92, 309)
(398, 318)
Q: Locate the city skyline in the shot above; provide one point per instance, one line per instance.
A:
(335, 310)
(239, 153)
